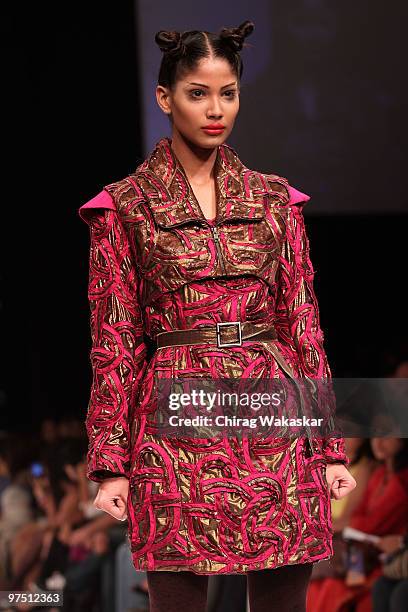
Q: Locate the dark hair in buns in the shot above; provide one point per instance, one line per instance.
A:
(182, 51)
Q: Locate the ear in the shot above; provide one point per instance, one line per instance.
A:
(163, 99)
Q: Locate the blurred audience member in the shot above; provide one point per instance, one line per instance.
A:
(15, 499)
(382, 511)
(390, 591)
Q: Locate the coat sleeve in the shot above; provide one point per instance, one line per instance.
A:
(118, 351)
(298, 317)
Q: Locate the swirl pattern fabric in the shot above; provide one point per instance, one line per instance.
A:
(219, 505)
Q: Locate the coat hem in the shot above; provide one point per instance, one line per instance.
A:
(144, 566)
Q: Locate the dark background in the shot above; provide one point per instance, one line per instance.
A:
(73, 121)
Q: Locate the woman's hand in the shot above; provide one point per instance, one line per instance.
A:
(390, 543)
(112, 497)
(339, 479)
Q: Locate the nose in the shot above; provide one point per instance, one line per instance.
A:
(214, 110)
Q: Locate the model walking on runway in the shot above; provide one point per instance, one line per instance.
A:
(191, 240)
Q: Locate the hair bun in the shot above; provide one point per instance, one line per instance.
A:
(170, 41)
(235, 36)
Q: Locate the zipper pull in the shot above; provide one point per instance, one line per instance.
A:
(216, 236)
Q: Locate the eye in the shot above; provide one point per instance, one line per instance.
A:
(232, 92)
(195, 91)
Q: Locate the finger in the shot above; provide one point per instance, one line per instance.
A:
(115, 507)
(119, 502)
(120, 516)
(343, 490)
(336, 489)
(112, 511)
(333, 493)
(120, 511)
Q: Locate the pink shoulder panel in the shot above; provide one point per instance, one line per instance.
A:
(297, 196)
(101, 200)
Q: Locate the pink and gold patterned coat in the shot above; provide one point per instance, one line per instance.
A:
(157, 264)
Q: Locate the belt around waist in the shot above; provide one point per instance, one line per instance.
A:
(224, 334)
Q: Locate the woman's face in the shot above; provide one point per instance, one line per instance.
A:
(208, 95)
(385, 448)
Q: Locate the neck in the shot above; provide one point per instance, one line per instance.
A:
(198, 163)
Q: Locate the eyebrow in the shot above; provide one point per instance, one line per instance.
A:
(207, 86)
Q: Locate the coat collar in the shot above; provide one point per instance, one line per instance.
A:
(240, 191)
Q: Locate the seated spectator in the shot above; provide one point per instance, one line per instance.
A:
(382, 511)
(390, 591)
(58, 501)
(15, 500)
(76, 551)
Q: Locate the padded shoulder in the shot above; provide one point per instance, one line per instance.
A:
(279, 186)
(102, 200)
(296, 196)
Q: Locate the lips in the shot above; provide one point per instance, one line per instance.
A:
(214, 129)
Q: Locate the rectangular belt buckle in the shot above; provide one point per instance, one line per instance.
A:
(219, 340)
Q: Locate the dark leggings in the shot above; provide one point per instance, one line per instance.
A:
(282, 589)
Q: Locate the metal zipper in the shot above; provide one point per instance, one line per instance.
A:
(213, 228)
(216, 238)
(214, 232)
